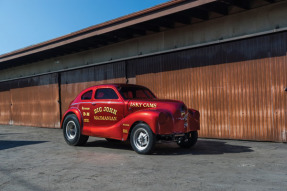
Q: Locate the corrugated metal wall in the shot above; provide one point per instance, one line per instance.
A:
(238, 87)
(31, 102)
(5, 108)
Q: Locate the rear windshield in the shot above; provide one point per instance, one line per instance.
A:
(136, 93)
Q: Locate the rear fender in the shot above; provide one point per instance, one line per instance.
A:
(76, 112)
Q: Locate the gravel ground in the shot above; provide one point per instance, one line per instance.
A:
(39, 159)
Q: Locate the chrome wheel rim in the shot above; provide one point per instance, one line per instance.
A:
(71, 130)
(141, 139)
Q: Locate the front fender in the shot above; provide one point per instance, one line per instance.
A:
(149, 117)
(194, 120)
(75, 111)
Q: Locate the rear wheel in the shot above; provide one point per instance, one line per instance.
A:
(72, 131)
(142, 139)
(190, 141)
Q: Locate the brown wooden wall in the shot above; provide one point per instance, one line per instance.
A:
(238, 87)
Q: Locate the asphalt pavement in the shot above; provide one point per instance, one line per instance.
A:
(38, 159)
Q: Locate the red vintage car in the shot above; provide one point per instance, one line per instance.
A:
(129, 112)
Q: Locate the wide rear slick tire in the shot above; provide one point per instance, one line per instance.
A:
(142, 139)
(72, 131)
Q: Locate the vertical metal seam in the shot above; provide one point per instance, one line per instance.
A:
(60, 95)
(126, 71)
(11, 105)
(271, 89)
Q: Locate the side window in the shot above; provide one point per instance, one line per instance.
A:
(87, 95)
(106, 93)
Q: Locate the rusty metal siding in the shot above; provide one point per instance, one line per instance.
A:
(31, 101)
(34, 102)
(278, 84)
(238, 86)
(73, 82)
(5, 111)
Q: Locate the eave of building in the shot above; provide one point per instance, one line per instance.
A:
(166, 16)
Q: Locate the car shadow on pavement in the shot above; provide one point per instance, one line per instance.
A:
(4, 144)
(203, 147)
(110, 145)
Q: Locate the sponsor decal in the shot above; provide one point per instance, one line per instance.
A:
(86, 120)
(86, 114)
(106, 109)
(105, 118)
(146, 105)
(126, 125)
(125, 131)
(85, 108)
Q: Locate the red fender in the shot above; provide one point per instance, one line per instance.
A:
(150, 117)
(160, 121)
(75, 111)
(194, 120)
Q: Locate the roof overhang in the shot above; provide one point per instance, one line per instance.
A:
(153, 20)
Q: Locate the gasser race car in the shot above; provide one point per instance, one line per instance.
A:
(129, 112)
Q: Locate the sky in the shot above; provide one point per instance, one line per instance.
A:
(28, 22)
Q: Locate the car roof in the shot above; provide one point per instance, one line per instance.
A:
(116, 85)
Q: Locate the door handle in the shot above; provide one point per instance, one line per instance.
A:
(94, 104)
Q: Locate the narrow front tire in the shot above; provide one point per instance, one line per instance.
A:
(142, 139)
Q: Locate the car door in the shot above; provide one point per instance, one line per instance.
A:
(108, 108)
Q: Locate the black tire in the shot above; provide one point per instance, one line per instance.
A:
(191, 141)
(72, 131)
(142, 139)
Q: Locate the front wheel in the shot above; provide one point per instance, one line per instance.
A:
(142, 139)
(72, 131)
(190, 141)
